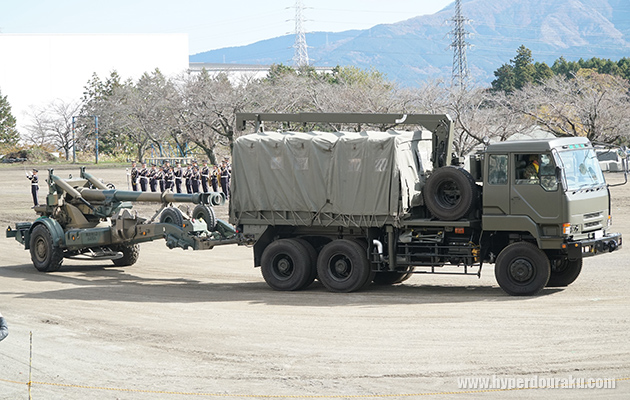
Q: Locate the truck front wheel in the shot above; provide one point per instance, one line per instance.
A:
(564, 272)
(286, 265)
(45, 255)
(343, 266)
(522, 269)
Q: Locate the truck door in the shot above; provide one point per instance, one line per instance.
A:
(534, 189)
(496, 189)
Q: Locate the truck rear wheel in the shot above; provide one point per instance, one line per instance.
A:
(343, 266)
(45, 255)
(312, 255)
(130, 252)
(286, 265)
(450, 193)
(202, 211)
(564, 272)
(522, 269)
(172, 215)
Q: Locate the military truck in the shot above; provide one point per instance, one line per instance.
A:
(352, 208)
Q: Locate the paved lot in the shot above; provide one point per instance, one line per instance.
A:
(205, 323)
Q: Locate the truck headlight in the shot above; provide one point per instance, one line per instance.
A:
(566, 228)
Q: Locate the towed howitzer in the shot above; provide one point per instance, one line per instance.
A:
(84, 218)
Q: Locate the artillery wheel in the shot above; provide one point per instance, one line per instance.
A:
(343, 266)
(285, 265)
(450, 193)
(173, 216)
(392, 277)
(131, 252)
(564, 272)
(522, 269)
(45, 255)
(202, 211)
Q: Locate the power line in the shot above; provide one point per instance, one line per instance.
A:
(460, 64)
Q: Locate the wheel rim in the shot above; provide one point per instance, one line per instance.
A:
(340, 267)
(41, 250)
(521, 271)
(448, 194)
(282, 267)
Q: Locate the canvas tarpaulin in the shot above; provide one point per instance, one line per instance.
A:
(364, 173)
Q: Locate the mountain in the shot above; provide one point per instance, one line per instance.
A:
(418, 49)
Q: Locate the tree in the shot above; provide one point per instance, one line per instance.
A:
(518, 73)
(9, 135)
(52, 125)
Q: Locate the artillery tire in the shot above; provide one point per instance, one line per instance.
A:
(522, 269)
(392, 277)
(45, 255)
(207, 213)
(285, 265)
(172, 215)
(564, 272)
(312, 255)
(131, 252)
(343, 266)
(450, 193)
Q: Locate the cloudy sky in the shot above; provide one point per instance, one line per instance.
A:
(210, 24)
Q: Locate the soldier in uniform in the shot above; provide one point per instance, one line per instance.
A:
(178, 174)
(531, 170)
(195, 179)
(205, 176)
(134, 177)
(214, 178)
(160, 178)
(34, 186)
(144, 175)
(168, 178)
(225, 179)
(188, 178)
(153, 178)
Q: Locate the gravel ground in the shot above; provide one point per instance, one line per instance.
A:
(182, 324)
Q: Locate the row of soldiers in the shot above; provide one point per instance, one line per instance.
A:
(192, 177)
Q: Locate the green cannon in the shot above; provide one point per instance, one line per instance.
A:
(84, 218)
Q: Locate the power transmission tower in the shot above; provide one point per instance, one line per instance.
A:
(300, 56)
(460, 73)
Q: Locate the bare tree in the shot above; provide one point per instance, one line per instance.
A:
(52, 125)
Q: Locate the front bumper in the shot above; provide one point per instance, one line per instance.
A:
(592, 247)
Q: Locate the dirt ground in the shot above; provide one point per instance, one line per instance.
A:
(182, 324)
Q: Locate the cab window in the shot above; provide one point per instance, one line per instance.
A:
(536, 169)
(497, 169)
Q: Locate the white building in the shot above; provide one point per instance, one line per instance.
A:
(36, 69)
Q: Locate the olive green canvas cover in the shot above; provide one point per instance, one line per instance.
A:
(342, 173)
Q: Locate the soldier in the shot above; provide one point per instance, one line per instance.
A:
(531, 170)
(134, 177)
(214, 178)
(144, 177)
(225, 179)
(153, 178)
(178, 174)
(160, 178)
(188, 178)
(34, 186)
(168, 178)
(195, 179)
(205, 176)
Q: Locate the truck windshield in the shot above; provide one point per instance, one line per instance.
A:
(581, 169)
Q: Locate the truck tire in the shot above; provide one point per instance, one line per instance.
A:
(202, 211)
(45, 255)
(522, 269)
(172, 215)
(131, 252)
(343, 266)
(312, 255)
(286, 265)
(392, 277)
(564, 272)
(450, 193)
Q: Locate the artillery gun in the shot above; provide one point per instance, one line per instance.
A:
(83, 218)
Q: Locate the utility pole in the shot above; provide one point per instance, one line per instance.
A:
(300, 57)
(460, 73)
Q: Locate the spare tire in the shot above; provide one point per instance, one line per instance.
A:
(450, 193)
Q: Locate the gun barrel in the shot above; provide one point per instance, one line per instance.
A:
(151, 197)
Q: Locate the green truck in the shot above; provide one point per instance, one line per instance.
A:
(352, 208)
